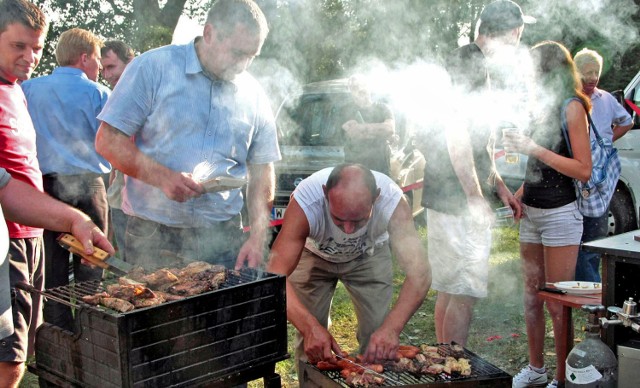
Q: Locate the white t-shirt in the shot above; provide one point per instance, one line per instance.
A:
(325, 238)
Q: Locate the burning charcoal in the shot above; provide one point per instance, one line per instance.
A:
(94, 300)
(117, 304)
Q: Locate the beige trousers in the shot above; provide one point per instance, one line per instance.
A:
(367, 279)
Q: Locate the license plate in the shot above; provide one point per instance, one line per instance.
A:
(277, 212)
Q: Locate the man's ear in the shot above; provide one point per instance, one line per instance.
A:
(325, 191)
(208, 33)
(377, 194)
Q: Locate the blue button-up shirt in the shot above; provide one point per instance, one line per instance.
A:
(64, 107)
(180, 117)
(607, 111)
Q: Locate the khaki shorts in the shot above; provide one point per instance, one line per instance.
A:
(458, 253)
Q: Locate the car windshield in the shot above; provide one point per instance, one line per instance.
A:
(313, 120)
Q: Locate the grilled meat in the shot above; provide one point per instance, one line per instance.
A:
(198, 267)
(433, 369)
(198, 283)
(94, 299)
(364, 379)
(171, 284)
(117, 304)
(402, 365)
(160, 278)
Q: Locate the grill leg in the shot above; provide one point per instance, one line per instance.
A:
(272, 381)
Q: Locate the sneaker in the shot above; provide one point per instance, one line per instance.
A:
(553, 384)
(529, 378)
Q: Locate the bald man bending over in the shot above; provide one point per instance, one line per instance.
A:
(339, 226)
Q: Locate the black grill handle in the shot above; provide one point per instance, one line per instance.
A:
(29, 288)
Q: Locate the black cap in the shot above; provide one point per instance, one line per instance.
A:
(502, 15)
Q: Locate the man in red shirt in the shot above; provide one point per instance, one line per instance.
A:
(23, 28)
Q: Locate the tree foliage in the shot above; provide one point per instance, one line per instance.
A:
(144, 24)
(321, 39)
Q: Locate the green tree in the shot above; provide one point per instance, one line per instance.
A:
(322, 39)
(144, 24)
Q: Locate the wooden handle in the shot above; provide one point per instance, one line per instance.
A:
(74, 246)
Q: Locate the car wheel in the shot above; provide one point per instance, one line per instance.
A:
(622, 216)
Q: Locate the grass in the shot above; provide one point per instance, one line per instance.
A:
(497, 333)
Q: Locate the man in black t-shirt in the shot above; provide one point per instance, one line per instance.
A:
(368, 127)
(460, 180)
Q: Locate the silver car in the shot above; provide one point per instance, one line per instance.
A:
(310, 132)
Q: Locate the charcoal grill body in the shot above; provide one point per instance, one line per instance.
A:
(483, 374)
(223, 337)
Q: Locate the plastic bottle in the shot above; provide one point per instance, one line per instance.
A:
(591, 363)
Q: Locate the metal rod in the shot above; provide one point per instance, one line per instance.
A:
(29, 288)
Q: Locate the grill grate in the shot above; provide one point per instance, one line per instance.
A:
(72, 294)
(221, 337)
(481, 371)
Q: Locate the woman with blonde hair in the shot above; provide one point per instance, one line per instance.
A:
(551, 227)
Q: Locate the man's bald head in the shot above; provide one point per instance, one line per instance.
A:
(351, 191)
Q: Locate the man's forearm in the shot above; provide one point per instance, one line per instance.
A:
(118, 148)
(620, 130)
(26, 205)
(260, 194)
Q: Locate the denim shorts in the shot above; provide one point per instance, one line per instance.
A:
(557, 227)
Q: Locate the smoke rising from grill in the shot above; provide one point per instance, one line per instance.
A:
(402, 59)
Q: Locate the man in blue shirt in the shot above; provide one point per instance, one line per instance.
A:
(612, 122)
(64, 106)
(186, 105)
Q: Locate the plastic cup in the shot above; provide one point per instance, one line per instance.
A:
(510, 157)
(504, 216)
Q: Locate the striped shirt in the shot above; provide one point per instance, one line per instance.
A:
(180, 118)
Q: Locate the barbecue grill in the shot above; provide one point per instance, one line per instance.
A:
(483, 374)
(219, 338)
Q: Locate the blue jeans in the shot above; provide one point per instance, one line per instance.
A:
(587, 267)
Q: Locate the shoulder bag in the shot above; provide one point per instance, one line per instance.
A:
(594, 196)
